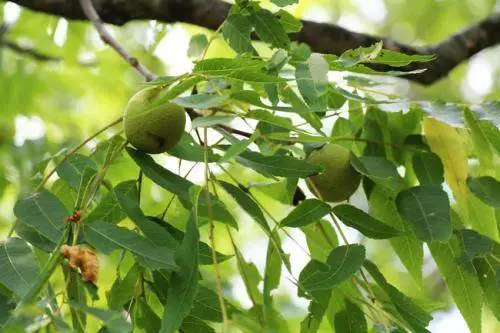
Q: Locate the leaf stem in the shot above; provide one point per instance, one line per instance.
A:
(344, 238)
(276, 222)
(373, 298)
(75, 233)
(495, 257)
(325, 235)
(212, 38)
(139, 187)
(211, 236)
(12, 228)
(240, 261)
(175, 195)
(382, 143)
(74, 150)
(102, 173)
(335, 113)
(133, 301)
(378, 310)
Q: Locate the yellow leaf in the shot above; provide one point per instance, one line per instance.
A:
(448, 145)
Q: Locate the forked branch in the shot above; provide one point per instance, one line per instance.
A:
(321, 37)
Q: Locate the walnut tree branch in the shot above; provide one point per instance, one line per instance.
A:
(321, 37)
(36, 55)
(93, 16)
(20, 49)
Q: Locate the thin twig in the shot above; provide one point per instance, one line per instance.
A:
(333, 114)
(133, 301)
(38, 55)
(212, 38)
(175, 195)
(235, 131)
(325, 235)
(91, 13)
(344, 138)
(12, 228)
(193, 115)
(344, 238)
(29, 51)
(239, 258)
(373, 298)
(102, 174)
(268, 213)
(139, 187)
(495, 257)
(211, 236)
(74, 150)
(374, 312)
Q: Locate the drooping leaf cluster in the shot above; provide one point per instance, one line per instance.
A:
(420, 186)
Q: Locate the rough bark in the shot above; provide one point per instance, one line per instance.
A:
(321, 37)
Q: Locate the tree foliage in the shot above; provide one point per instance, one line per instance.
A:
(170, 245)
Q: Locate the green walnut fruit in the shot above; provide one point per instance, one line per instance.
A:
(153, 129)
(339, 180)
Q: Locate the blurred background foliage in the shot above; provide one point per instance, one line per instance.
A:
(50, 105)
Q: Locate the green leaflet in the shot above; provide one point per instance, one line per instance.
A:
(284, 166)
(114, 321)
(408, 248)
(44, 212)
(378, 169)
(463, 286)
(123, 290)
(73, 168)
(107, 237)
(248, 204)
(342, 263)
(428, 168)
(20, 268)
(486, 188)
(269, 29)
(351, 319)
(364, 223)
(180, 186)
(236, 31)
(183, 284)
(417, 318)
(197, 44)
(307, 212)
(427, 210)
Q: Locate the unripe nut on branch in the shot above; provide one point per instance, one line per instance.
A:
(153, 129)
(339, 180)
